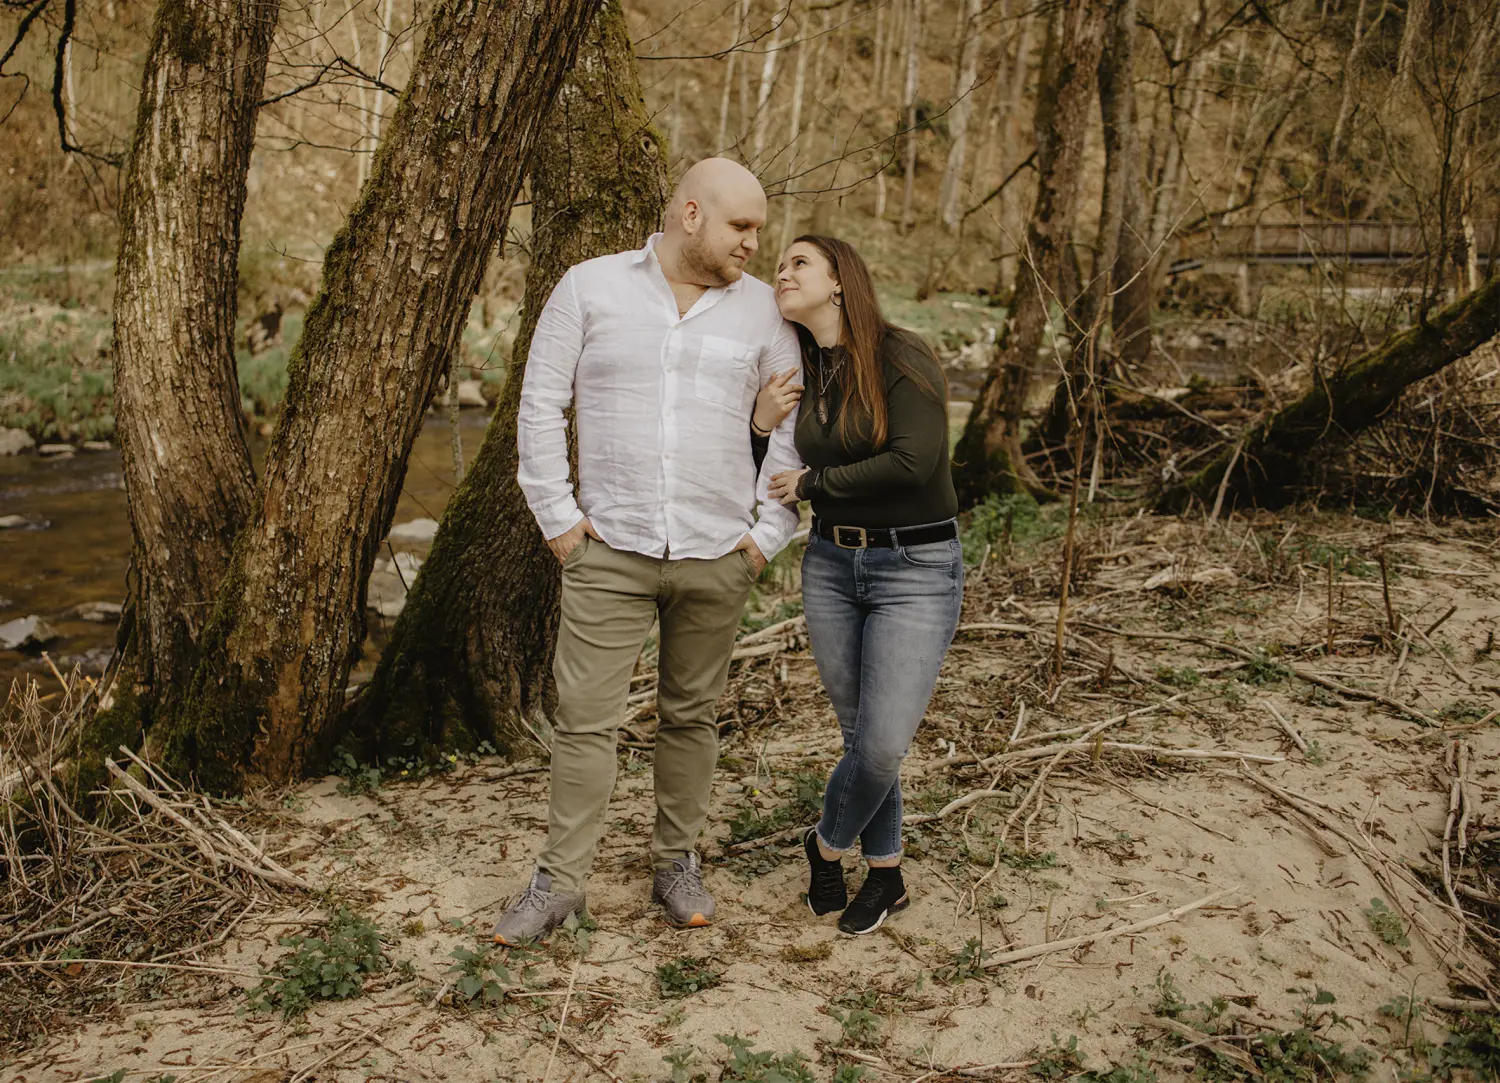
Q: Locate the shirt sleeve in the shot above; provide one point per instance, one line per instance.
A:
(541, 426)
(777, 522)
(916, 441)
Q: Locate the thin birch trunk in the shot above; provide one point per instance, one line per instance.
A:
(909, 109)
(794, 133)
(742, 10)
(763, 95)
(970, 43)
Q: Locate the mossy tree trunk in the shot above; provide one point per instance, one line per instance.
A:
(177, 402)
(398, 281)
(1273, 454)
(988, 458)
(470, 657)
(1118, 275)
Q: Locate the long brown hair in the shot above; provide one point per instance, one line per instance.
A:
(863, 330)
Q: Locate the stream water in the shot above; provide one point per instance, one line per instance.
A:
(81, 554)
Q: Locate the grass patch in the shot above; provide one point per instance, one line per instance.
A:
(804, 803)
(56, 378)
(328, 967)
(807, 953)
(687, 975)
(746, 1065)
(1386, 923)
(856, 1015)
(1006, 524)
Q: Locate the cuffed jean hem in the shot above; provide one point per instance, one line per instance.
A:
(868, 857)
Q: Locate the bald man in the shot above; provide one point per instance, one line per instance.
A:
(661, 352)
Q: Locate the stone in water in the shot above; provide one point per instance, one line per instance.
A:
(416, 531)
(26, 633)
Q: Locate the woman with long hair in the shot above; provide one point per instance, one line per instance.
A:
(882, 579)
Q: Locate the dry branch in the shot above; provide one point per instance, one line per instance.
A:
(1296, 671)
(1108, 934)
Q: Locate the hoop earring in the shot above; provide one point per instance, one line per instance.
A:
(837, 302)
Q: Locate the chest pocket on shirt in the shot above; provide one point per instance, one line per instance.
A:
(725, 373)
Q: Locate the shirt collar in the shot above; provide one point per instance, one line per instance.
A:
(647, 251)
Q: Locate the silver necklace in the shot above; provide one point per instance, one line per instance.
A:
(828, 366)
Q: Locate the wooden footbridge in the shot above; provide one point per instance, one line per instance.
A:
(1229, 248)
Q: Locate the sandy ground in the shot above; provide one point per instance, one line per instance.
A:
(1111, 837)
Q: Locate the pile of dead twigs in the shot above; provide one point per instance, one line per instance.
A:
(117, 904)
(1438, 452)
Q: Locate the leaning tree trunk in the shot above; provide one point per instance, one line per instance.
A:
(1121, 175)
(988, 458)
(177, 401)
(1272, 455)
(398, 280)
(470, 657)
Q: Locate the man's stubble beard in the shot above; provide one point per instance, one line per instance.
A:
(702, 264)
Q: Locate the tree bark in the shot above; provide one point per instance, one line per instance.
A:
(470, 657)
(397, 282)
(988, 458)
(1122, 189)
(188, 477)
(1274, 452)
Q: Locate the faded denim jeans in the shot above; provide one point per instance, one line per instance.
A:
(880, 621)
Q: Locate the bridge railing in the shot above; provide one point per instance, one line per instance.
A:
(1315, 241)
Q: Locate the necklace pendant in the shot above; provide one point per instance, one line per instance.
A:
(822, 411)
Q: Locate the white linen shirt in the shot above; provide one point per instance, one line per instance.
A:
(663, 408)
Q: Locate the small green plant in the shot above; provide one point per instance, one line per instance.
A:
(746, 1065)
(356, 779)
(1405, 1009)
(1137, 1071)
(328, 967)
(1303, 1055)
(680, 1061)
(1386, 923)
(1170, 1002)
(851, 1073)
(804, 805)
(1262, 670)
(1473, 1046)
(1462, 711)
(481, 976)
(578, 930)
(1061, 1060)
(855, 1013)
(687, 975)
(1184, 677)
(966, 963)
(1002, 524)
(1027, 860)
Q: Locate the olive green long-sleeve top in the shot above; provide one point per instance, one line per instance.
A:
(904, 482)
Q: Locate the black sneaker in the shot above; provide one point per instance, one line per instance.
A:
(825, 885)
(882, 894)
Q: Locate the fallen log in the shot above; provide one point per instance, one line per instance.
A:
(1274, 452)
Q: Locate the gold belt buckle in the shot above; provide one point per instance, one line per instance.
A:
(864, 539)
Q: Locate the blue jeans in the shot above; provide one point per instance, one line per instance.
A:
(880, 621)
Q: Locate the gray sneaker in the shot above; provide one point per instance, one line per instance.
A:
(681, 893)
(536, 913)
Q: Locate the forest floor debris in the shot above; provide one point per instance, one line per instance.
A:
(1210, 847)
